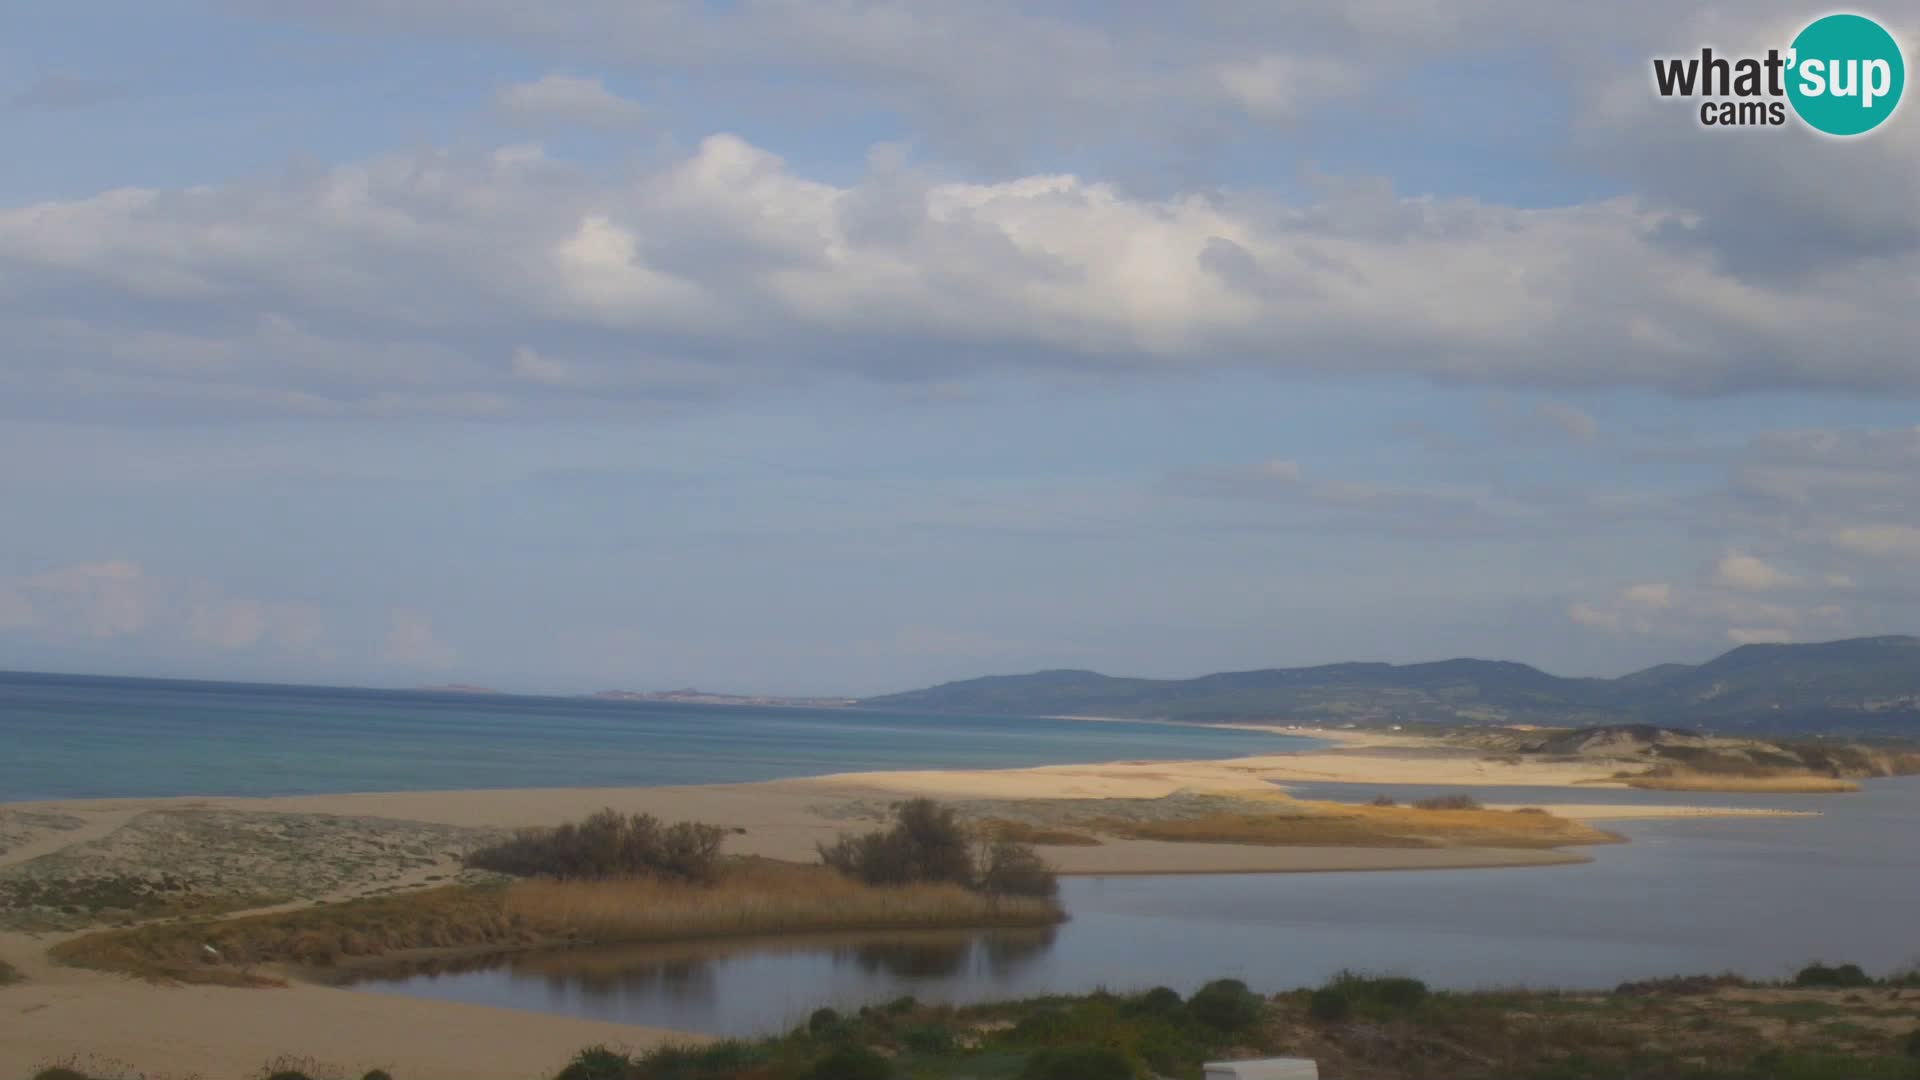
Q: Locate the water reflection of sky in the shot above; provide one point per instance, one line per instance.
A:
(1758, 896)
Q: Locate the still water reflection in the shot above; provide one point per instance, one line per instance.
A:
(1757, 896)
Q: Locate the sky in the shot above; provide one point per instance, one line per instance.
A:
(849, 346)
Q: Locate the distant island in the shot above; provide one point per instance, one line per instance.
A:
(690, 696)
(1858, 687)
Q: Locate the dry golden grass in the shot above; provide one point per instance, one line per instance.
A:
(1783, 783)
(1319, 824)
(758, 897)
(752, 897)
(1021, 832)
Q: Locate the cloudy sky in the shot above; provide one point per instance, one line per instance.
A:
(846, 346)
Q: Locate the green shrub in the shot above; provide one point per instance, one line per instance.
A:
(1845, 975)
(824, 1022)
(59, 1072)
(930, 1039)
(1225, 1005)
(851, 1063)
(1913, 1044)
(605, 845)
(1079, 1063)
(377, 1074)
(1042, 1027)
(1159, 1001)
(927, 844)
(1330, 1005)
(902, 1005)
(1015, 869)
(597, 1063)
(1391, 993)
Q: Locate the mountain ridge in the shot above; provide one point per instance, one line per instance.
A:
(1867, 685)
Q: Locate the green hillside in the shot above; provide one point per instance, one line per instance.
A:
(1859, 686)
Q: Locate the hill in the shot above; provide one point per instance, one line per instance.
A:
(1862, 686)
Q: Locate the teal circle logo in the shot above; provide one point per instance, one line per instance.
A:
(1846, 75)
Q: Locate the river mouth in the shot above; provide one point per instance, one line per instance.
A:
(1758, 897)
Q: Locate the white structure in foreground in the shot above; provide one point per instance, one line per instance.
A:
(1263, 1069)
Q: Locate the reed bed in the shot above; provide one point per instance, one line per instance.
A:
(750, 897)
(1321, 824)
(756, 899)
(1779, 783)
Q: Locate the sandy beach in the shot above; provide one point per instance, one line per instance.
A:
(337, 847)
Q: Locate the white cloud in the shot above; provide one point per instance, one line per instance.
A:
(397, 277)
(411, 642)
(100, 599)
(1883, 541)
(1285, 88)
(1739, 570)
(568, 99)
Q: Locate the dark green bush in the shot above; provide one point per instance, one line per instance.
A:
(1845, 976)
(377, 1074)
(1330, 1005)
(929, 1039)
(1913, 1044)
(823, 1022)
(1079, 1063)
(59, 1072)
(597, 1063)
(902, 1005)
(1225, 1005)
(1014, 869)
(607, 844)
(1391, 993)
(1159, 1001)
(927, 843)
(851, 1063)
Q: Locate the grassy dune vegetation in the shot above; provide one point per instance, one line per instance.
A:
(1325, 824)
(1669, 779)
(1830, 1024)
(748, 897)
(8, 973)
(614, 879)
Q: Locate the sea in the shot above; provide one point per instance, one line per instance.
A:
(77, 736)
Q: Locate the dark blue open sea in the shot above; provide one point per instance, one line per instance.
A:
(70, 736)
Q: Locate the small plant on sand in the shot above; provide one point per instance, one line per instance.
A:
(9, 973)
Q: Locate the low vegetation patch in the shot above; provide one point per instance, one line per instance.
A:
(746, 896)
(927, 845)
(1668, 778)
(9, 974)
(758, 897)
(1311, 824)
(1376, 1027)
(1021, 832)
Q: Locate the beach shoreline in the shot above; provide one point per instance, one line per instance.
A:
(406, 840)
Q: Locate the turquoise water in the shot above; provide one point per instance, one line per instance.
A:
(67, 737)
